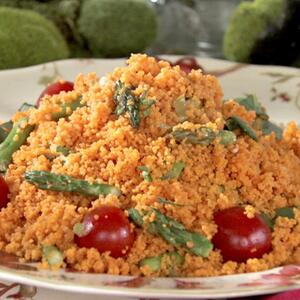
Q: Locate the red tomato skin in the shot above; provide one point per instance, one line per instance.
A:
(55, 88)
(187, 64)
(239, 237)
(108, 229)
(4, 191)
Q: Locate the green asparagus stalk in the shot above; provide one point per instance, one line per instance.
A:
(45, 180)
(21, 130)
(203, 136)
(15, 139)
(67, 109)
(235, 122)
(173, 232)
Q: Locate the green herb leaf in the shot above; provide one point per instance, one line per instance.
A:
(146, 173)
(154, 263)
(250, 102)
(52, 255)
(63, 150)
(175, 172)
(26, 106)
(80, 230)
(268, 220)
(180, 110)
(234, 122)
(226, 137)
(166, 201)
(146, 104)
(287, 212)
(268, 127)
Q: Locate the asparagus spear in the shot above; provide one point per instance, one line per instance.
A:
(6, 127)
(173, 232)
(235, 122)
(126, 101)
(67, 109)
(15, 139)
(21, 130)
(63, 183)
(203, 136)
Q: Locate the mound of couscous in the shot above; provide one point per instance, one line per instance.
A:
(145, 171)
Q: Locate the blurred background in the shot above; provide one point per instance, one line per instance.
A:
(259, 31)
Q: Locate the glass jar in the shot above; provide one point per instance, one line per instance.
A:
(192, 26)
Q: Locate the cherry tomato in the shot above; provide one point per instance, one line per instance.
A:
(4, 191)
(239, 237)
(56, 88)
(187, 64)
(107, 229)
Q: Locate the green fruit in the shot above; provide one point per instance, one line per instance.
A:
(115, 28)
(27, 38)
(248, 24)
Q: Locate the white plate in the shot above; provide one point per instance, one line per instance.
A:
(278, 88)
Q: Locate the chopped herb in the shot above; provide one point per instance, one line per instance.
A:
(250, 102)
(287, 212)
(146, 104)
(52, 255)
(165, 126)
(166, 201)
(221, 188)
(26, 106)
(173, 232)
(226, 137)
(63, 150)
(268, 220)
(180, 110)
(175, 172)
(268, 127)
(234, 122)
(146, 173)
(79, 229)
(154, 262)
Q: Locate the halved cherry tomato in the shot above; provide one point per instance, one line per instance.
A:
(107, 229)
(187, 64)
(4, 191)
(240, 237)
(56, 88)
